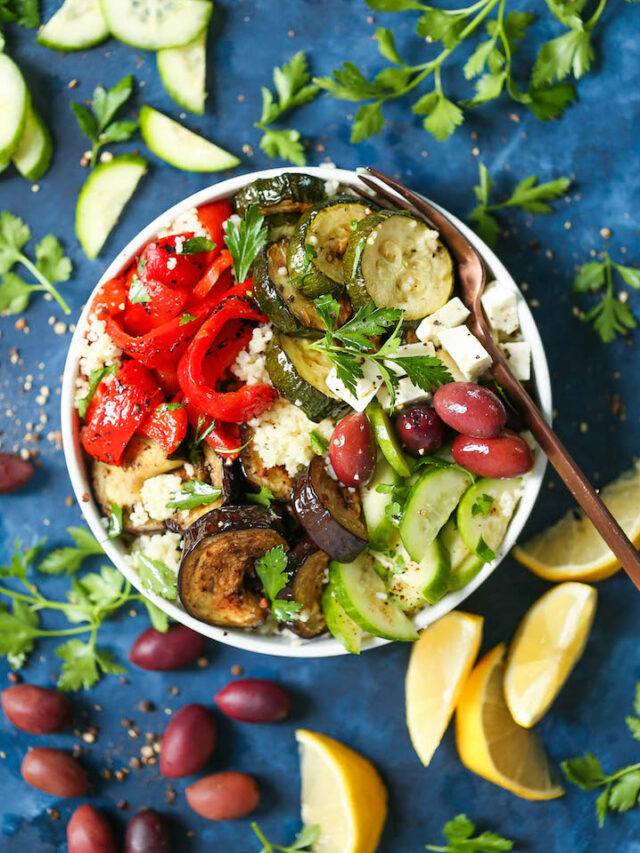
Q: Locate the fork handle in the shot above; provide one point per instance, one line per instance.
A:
(573, 477)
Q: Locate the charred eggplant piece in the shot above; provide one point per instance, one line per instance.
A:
(211, 469)
(308, 579)
(328, 513)
(217, 581)
(277, 480)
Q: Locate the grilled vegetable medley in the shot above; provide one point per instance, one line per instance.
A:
(287, 420)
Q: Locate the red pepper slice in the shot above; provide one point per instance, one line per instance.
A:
(161, 261)
(213, 283)
(224, 438)
(111, 298)
(212, 218)
(197, 381)
(117, 410)
(165, 303)
(167, 425)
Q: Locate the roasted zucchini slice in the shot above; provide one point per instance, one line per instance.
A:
(281, 226)
(329, 514)
(309, 577)
(300, 374)
(290, 192)
(217, 581)
(289, 310)
(315, 252)
(396, 261)
(277, 479)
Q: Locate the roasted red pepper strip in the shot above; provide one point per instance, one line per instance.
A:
(195, 380)
(213, 283)
(117, 410)
(110, 299)
(164, 304)
(167, 425)
(224, 438)
(212, 218)
(161, 261)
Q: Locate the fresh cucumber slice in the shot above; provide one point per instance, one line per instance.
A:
(362, 594)
(485, 512)
(103, 198)
(432, 499)
(155, 24)
(77, 25)
(180, 147)
(465, 565)
(374, 503)
(32, 157)
(386, 438)
(14, 107)
(183, 71)
(421, 583)
(343, 628)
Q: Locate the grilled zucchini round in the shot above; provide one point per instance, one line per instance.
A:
(290, 192)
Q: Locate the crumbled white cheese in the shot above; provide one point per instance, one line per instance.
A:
(156, 493)
(185, 223)
(518, 354)
(250, 365)
(466, 350)
(410, 351)
(452, 314)
(366, 386)
(501, 307)
(165, 547)
(405, 392)
(97, 350)
(281, 436)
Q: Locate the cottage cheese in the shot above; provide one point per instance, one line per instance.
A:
(250, 365)
(156, 493)
(165, 547)
(97, 350)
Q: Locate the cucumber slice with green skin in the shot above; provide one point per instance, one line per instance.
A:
(343, 628)
(291, 192)
(14, 107)
(432, 499)
(155, 24)
(183, 71)
(77, 25)
(396, 261)
(424, 582)
(465, 565)
(324, 229)
(386, 438)
(180, 147)
(300, 374)
(362, 594)
(485, 512)
(374, 503)
(32, 157)
(103, 198)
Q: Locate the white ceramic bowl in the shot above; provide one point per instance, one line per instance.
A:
(324, 646)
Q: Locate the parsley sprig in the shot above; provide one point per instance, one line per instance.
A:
(459, 833)
(24, 13)
(305, 838)
(245, 240)
(611, 316)
(293, 87)
(194, 493)
(97, 123)
(528, 195)
(272, 571)
(50, 265)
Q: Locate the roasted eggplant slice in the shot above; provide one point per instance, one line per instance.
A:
(217, 582)
(213, 470)
(328, 513)
(310, 572)
(290, 192)
(277, 480)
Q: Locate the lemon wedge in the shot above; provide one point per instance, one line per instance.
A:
(572, 549)
(547, 645)
(440, 663)
(342, 794)
(495, 747)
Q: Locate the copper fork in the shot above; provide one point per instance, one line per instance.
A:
(472, 276)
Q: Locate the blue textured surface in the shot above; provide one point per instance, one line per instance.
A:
(358, 700)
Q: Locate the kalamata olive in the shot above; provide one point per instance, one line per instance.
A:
(500, 458)
(88, 831)
(254, 700)
(37, 710)
(224, 796)
(188, 741)
(14, 472)
(177, 647)
(53, 771)
(470, 409)
(147, 832)
(352, 450)
(420, 429)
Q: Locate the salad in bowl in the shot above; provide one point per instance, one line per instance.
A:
(278, 423)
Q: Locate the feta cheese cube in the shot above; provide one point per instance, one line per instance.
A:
(366, 387)
(467, 352)
(406, 392)
(518, 354)
(452, 314)
(501, 307)
(409, 351)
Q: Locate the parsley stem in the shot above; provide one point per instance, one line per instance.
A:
(620, 773)
(45, 284)
(63, 632)
(593, 20)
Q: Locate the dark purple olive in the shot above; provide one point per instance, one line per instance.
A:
(420, 429)
(37, 710)
(223, 796)
(470, 409)
(53, 771)
(254, 700)
(88, 831)
(499, 458)
(188, 741)
(14, 472)
(147, 832)
(352, 450)
(176, 648)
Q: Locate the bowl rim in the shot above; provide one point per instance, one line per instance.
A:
(274, 644)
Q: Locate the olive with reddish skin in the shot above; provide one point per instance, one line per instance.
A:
(53, 771)
(500, 458)
(37, 710)
(157, 651)
(188, 741)
(470, 409)
(420, 429)
(352, 450)
(157, 259)
(14, 472)
(224, 796)
(88, 831)
(254, 700)
(147, 832)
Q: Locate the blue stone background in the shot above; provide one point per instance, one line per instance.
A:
(358, 700)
